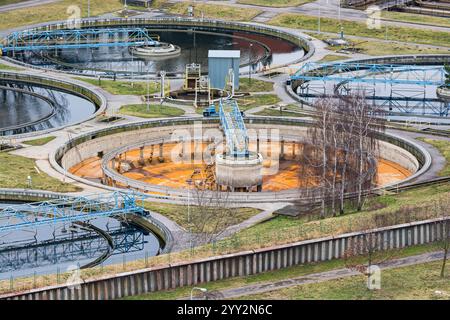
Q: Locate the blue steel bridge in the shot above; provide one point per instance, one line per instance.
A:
(30, 40)
(234, 128)
(371, 73)
(78, 242)
(68, 210)
(403, 89)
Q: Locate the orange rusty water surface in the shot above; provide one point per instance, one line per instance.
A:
(173, 174)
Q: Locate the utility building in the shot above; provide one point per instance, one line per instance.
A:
(219, 64)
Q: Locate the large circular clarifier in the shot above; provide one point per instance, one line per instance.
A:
(33, 108)
(19, 109)
(256, 49)
(156, 165)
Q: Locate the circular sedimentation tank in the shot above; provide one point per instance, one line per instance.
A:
(164, 166)
(182, 42)
(26, 106)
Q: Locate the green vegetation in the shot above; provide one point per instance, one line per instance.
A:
(14, 171)
(333, 57)
(7, 67)
(124, 87)
(5, 2)
(444, 148)
(275, 3)
(390, 209)
(155, 111)
(216, 11)
(257, 100)
(375, 47)
(406, 283)
(254, 85)
(178, 213)
(291, 272)
(291, 110)
(55, 11)
(40, 141)
(415, 18)
(269, 112)
(402, 34)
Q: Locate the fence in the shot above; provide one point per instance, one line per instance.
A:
(175, 275)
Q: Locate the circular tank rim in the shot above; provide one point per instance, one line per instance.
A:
(180, 195)
(71, 86)
(22, 126)
(148, 223)
(283, 33)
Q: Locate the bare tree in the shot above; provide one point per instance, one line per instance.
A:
(211, 214)
(344, 140)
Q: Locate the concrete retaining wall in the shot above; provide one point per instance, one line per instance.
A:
(241, 264)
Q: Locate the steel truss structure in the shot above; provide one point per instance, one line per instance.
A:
(234, 128)
(76, 39)
(68, 209)
(67, 248)
(406, 86)
(371, 73)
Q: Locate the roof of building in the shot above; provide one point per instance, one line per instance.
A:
(224, 54)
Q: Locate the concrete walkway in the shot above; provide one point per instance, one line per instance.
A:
(265, 287)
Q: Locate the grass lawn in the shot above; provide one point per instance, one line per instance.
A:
(275, 3)
(406, 283)
(254, 85)
(7, 67)
(156, 111)
(55, 11)
(5, 2)
(216, 11)
(258, 100)
(14, 171)
(291, 272)
(415, 18)
(333, 57)
(124, 87)
(178, 213)
(40, 141)
(402, 34)
(277, 113)
(378, 48)
(444, 148)
(281, 229)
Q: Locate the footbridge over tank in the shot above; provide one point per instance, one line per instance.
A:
(234, 128)
(68, 209)
(32, 40)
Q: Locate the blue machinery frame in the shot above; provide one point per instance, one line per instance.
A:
(68, 209)
(234, 128)
(407, 83)
(371, 73)
(75, 39)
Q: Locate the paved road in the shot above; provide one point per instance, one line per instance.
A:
(264, 287)
(20, 5)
